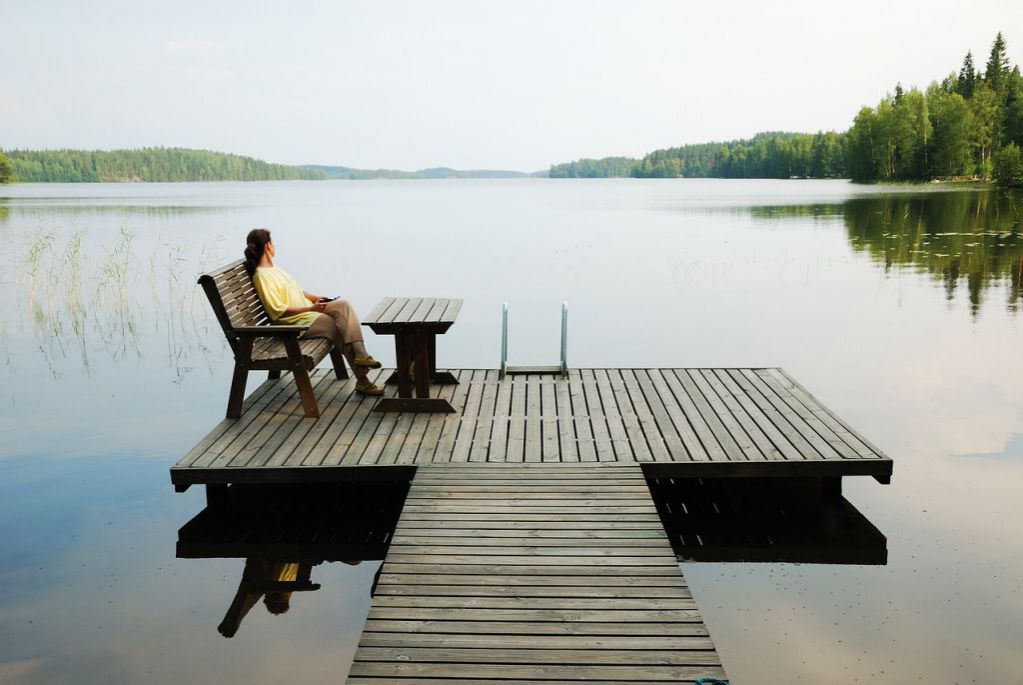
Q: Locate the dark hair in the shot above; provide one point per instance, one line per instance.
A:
(277, 602)
(255, 247)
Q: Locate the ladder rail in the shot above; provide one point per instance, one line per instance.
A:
(561, 369)
(564, 339)
(504, 341)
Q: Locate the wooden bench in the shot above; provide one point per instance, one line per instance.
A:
(415, 323)
(259, 344)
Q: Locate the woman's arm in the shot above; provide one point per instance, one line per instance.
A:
(315, 307)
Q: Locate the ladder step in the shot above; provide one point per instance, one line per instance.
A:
(536, 370)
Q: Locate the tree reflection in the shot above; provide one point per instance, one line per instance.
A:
(972, 237)
(967, 236)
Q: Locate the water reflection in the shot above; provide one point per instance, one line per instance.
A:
(765, 520)
(971, 237)
(78, 296)
(283, 532)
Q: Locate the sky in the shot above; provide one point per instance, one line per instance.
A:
(484, 85)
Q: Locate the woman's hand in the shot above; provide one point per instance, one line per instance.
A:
(318, 306)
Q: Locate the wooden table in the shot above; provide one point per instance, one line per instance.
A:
(415, 323)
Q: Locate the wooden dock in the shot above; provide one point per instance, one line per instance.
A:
(736, 422)
(554, 573)
(529, 547)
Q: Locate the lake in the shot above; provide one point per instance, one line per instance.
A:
(898, 307)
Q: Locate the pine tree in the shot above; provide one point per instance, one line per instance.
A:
(1013, 128)
(997, 65)
(967, 77)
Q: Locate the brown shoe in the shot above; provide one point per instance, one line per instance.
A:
(369, 389)
(367, 362)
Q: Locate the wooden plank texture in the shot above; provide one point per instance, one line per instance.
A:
(681, 422)
(461, 598)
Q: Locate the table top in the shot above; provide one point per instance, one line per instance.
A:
(396, 314)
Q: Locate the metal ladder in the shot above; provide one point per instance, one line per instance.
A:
(550, 370)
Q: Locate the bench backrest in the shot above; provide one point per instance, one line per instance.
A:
(234, 298)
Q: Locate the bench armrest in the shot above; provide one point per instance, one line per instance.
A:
(270, 331)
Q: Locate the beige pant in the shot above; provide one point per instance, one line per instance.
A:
(338, 322)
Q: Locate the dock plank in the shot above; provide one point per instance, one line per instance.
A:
(705, 422)
(460, 599)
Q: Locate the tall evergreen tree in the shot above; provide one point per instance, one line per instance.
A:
(1012, 129)
(997, 65)
(967, 77)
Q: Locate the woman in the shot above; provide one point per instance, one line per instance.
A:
(287, 303)
(256, 577)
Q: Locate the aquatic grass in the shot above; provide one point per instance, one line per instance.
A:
(64, 295)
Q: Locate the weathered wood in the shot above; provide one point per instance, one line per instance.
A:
(257, 343)
(506, 672)
(562, 598)
(428, 314)
(415, 323)
(676, 643)
(502, 628)
(695, 422)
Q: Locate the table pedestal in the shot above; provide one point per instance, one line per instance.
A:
(416, 353)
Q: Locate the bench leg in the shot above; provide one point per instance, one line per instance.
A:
(305, 386)
(237, 396)
(338, 360)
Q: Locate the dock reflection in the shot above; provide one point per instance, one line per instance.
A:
(283, 532)
(765, 520)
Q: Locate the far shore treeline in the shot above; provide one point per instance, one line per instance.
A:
(168, 164)
(968, 126)
(146, 164)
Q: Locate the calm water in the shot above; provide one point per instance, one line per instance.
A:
(897, 307)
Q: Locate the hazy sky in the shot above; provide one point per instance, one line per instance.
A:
(478, 84)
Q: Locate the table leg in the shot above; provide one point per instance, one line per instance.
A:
(421, 356)
(437, 377)
(431, 351)
(403, 352)
(415, 347)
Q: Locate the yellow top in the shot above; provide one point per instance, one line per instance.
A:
(279, 290)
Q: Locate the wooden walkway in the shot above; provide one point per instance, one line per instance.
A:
(677, 422)
(555, 573)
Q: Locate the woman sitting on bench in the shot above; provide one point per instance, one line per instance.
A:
(287, 303)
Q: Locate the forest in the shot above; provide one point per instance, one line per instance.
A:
(146, 164)
(766, 155)
(967, 126)
(6, 168)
